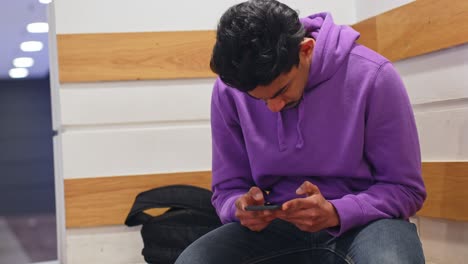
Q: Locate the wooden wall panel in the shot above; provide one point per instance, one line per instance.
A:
(417, 28)
(447, 185)
(368, 30)
(107, 201)
(134, 56)
(422, 27)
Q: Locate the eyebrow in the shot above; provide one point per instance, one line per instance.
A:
(280, 91)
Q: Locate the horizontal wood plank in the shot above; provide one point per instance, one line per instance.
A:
(368, 30)
(134, 56)
(107, 200)
(416, 28)
(447, 195)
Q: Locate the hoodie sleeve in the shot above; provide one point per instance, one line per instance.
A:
(230, 164)
(392, 150)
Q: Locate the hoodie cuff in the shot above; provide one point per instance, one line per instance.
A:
(228, 211)
(350, 213)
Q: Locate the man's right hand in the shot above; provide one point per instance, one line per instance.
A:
(253, 220)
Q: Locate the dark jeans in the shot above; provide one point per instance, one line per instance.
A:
(380, 242)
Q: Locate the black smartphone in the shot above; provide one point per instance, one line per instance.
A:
(263, 207)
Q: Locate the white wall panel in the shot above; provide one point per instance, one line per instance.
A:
(444, 241)
(116, 245)
(135, 102)
(96, 152)
(443, 134)
(90, 16)
(437, 76)
(370, 8)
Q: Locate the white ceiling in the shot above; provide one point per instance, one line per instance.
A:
(15, 15)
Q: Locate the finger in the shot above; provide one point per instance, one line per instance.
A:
(242, 214)
(249, 199)
(308, 189)
(242, 202)
(305, 228)
(248, 221)
(256, 194)
(258, 215)
(257, 228)
(301, 203)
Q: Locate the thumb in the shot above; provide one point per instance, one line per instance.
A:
(256, 194)
(308, 189)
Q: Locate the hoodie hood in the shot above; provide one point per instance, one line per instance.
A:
(333, 44)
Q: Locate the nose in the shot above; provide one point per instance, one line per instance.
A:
(275, 105)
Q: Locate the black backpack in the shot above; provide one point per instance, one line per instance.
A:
(190, 216)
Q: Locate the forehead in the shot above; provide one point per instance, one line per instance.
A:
(267, 91)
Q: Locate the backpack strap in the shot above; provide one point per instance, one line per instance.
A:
(173, 196)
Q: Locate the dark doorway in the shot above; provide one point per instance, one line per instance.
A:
(27, 196)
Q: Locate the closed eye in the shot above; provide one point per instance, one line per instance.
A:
(281, 91)
(278, 93)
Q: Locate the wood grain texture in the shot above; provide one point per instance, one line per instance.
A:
(447, 185)
(134, 56)
(421, 27)
(107, 200)
(368, 30)
(416, 28)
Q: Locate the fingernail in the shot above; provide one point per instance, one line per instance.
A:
(257, 196)
(299, 190)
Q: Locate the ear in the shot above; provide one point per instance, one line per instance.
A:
(307, 48)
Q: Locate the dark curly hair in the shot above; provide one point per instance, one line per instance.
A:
(256, 41)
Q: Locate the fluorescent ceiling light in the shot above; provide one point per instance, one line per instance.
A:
(18, 73)
(23, 62)
(45, 1)
(30, 46)
(39, 27)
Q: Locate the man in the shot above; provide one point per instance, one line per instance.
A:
(305, 118)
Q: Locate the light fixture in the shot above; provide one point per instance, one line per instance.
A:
(23, 62)
(16, 73)
(38, 27)
(45, 1)
(30, 46)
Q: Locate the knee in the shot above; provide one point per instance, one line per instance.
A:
(200, 252)
(391, 241)
(193, 255)
(389, 256)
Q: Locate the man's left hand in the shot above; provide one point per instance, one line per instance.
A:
(312, 213)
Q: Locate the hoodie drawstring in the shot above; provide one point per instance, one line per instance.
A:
(300, 115)
(280, 132)
(280, 128)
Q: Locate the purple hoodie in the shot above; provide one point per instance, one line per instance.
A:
(353, 135)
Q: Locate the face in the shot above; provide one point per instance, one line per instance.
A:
(286, 90)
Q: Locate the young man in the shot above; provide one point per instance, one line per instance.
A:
(305, 118)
